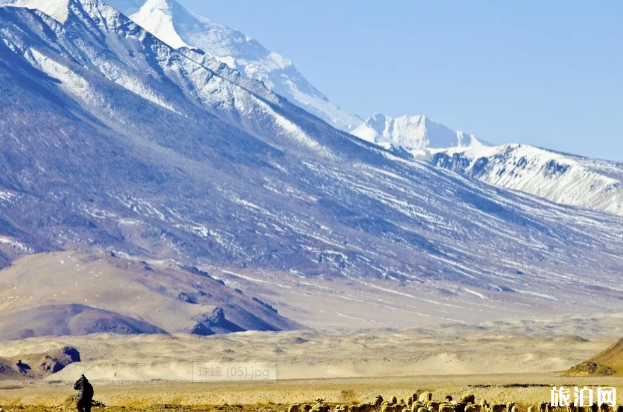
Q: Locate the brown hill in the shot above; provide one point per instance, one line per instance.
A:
(38, 365)
(70, 319)
(607, 363)
(69, 293)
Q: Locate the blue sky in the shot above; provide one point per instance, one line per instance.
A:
(546, 73)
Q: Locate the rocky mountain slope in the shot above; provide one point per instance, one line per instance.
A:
(558, 177)
(114, 141)
(582, 182)
(608, 362)
(172, 23)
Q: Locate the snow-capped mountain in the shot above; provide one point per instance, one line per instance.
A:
(558, 177)
(176, 26)
(113, 140)
(414, 134)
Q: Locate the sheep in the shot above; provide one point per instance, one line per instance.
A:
(294, 408)
(434, 405)
(498, 407)
(468, 398)
(355, 408)
(425, 397)
(422, 409)
(514, 409)
(446, 408)
(530, 408)
(470, 408)
(306, 408)
(319, 407)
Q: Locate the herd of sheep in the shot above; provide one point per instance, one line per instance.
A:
(423, 402)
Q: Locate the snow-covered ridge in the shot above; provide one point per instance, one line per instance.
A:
(414, 134)
(176, 26)
(154, 71)
(57, 9)
(558, 177)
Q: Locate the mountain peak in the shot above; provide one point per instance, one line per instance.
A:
(173, 24)
(60, 10)
(158, 17)
(57, 9)
(412, 133)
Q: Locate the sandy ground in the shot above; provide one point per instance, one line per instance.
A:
(451, 350)
(516, 360)
(501, 361)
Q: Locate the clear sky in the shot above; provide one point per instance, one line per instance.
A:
(546, 73)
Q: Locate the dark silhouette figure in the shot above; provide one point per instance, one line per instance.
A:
(85, 394)
(22, 367)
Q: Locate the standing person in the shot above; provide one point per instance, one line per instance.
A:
(85, 394)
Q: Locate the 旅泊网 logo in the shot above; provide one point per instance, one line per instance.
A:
(583, 397)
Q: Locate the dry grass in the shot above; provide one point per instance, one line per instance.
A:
(348, 396)
(522, 388)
